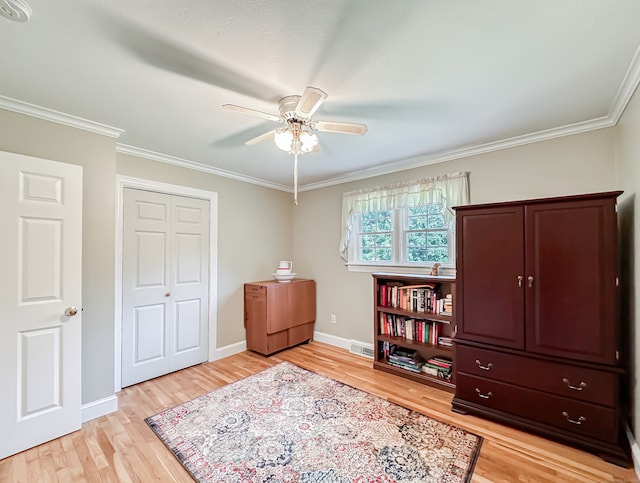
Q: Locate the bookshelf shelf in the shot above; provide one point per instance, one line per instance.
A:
(409, 324)
(445, 319)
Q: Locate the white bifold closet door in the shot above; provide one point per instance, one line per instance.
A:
(165, 284)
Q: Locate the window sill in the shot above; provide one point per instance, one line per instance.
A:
(400, 269)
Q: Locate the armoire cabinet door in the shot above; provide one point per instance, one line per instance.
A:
(571, 279)
(490, 282)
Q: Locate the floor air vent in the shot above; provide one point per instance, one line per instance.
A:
(361, 349)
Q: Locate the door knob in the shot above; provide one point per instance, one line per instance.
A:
(70, 311)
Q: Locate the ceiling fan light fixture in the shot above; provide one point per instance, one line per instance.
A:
(283, 139)
(308, 141)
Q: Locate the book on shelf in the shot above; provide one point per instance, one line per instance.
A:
(422, 298)
(419, 330)
(445, 341)
(442, 362)
(405, 358)
(437, 372)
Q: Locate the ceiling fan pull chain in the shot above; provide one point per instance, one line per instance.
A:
(295, 179)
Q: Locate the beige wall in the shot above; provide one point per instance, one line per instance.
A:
(628, 179)
(96, 154)
(254, 233)
(569, 165)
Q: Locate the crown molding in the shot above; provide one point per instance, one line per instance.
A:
(184, 163)
(419, 161)
(22, 107)
(627, 87)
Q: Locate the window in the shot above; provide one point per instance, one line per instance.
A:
(412, 236)
(406, 225)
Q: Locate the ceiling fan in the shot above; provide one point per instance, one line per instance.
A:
(297, 137)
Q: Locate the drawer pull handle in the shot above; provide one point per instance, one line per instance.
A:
(578, 421)
(484, 368)
(520, 280)
(484, 396)
(575, 388)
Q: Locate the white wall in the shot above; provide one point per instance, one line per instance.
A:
(628, 178)
(574, 164)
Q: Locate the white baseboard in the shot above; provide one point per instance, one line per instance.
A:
(635, 451)
(229, 350)
(332, 340)
(98, 408)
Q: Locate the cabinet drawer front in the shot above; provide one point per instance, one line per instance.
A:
(567, 414)
(574, 382)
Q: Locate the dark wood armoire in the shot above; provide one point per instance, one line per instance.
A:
(538, 342)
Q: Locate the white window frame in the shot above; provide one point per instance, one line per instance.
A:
(399, 230)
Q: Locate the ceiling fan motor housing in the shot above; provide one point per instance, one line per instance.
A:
(287, 106)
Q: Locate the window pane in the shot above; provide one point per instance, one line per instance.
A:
(438, 238)
(417, 255)
(376, 236)
(417, 222)
(369, 223)
(439, 254)
(383, 240)
(436, 221)
(416, 239)
(367, 240)
(366, 254)
(384, 221)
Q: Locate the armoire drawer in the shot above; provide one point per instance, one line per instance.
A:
(570, 415)
(590, 385)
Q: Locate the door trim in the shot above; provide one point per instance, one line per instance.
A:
(123, 182)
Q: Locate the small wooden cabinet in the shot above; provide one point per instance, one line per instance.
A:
(415, 313)
(538, 341)
(279, 315)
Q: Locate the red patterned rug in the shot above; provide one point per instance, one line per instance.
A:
(287, 424)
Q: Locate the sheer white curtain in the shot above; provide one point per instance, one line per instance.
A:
(447, 190)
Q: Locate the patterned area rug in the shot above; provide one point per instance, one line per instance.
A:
(287, 424)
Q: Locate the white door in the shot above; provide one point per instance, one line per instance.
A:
(40, 261)
(165, 283)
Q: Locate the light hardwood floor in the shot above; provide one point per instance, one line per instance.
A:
(120, 447)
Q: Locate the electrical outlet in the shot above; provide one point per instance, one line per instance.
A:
(333, 318)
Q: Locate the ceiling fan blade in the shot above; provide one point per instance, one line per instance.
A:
(250, 112)
(339, 127)
(263, 137)
(311, 99)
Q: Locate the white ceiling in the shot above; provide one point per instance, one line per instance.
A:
(433, 79)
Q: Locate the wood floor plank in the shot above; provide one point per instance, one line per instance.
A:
(120, 447)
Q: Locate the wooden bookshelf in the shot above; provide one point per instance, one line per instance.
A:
(411, 313)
